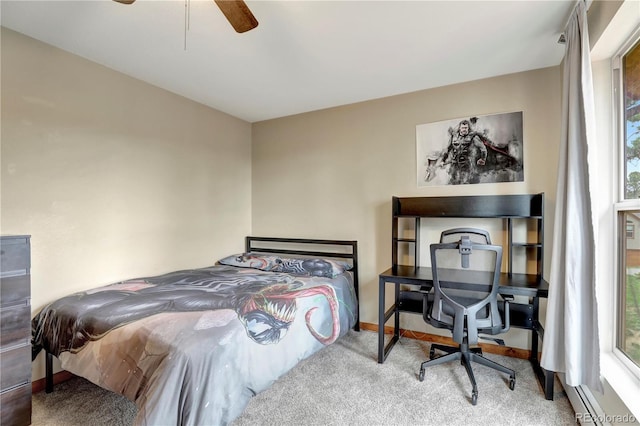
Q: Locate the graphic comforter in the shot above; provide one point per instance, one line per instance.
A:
(192, 347)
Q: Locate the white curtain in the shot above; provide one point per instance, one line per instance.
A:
(571, 330)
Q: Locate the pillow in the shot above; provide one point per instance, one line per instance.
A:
(312, 267)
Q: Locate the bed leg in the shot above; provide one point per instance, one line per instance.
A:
(48, 372)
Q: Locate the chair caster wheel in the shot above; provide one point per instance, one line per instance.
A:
(512, 382)
(474, 398)
(421, 375)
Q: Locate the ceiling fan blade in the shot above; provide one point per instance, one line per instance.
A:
(125, 1)
(238, 14)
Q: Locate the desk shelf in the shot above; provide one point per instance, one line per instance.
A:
(511, 209)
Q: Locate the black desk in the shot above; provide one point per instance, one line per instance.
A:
(523, 315)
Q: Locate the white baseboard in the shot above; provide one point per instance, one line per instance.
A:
(588, 410)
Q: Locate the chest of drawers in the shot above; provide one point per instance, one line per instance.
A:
(15, 330)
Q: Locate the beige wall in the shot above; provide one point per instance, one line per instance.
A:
(332, 173)
(599, 16)
(114, 178)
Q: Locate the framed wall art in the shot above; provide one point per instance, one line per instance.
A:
(470, 150)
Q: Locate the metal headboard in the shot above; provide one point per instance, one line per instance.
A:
(317, 248)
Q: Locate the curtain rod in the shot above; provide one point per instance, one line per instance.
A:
(562, 39)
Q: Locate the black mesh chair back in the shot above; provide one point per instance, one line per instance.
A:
(466, 282)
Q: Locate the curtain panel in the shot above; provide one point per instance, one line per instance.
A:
(571, 342)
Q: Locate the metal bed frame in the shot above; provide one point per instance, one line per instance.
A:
(337, 249)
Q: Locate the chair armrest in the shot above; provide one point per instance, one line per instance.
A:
(507, 316)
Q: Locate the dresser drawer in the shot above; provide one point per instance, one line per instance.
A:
(15, 324)
(15, 290)
(15, 258)
(16, 367)
(16, 406)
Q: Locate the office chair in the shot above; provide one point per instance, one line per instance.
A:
(465, 301)
(453, 235)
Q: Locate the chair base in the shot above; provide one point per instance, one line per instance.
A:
(450, 349)
(466, 355)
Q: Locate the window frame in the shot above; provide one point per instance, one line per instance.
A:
(621, 204)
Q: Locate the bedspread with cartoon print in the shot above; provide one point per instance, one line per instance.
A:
(192, 347)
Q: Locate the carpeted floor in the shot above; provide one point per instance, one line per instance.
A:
(344, 385)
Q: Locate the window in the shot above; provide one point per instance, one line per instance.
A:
(628, 333)
(613, 208)
(631, 131)
(628, 208)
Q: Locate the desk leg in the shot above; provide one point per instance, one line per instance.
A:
(546, 378)
(381, 320)
(396, 321)
(383, 317)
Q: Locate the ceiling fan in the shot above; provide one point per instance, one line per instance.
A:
(236, 12)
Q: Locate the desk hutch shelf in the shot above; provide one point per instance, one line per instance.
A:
(509, 208)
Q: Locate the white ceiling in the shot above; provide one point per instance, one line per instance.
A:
(304, 55)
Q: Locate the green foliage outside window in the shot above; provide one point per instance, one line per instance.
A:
(631, 343)
(631, 77)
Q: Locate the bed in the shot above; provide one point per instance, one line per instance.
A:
(192, 347)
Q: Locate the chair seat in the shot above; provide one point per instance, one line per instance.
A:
(427, 307)
(491, 331)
